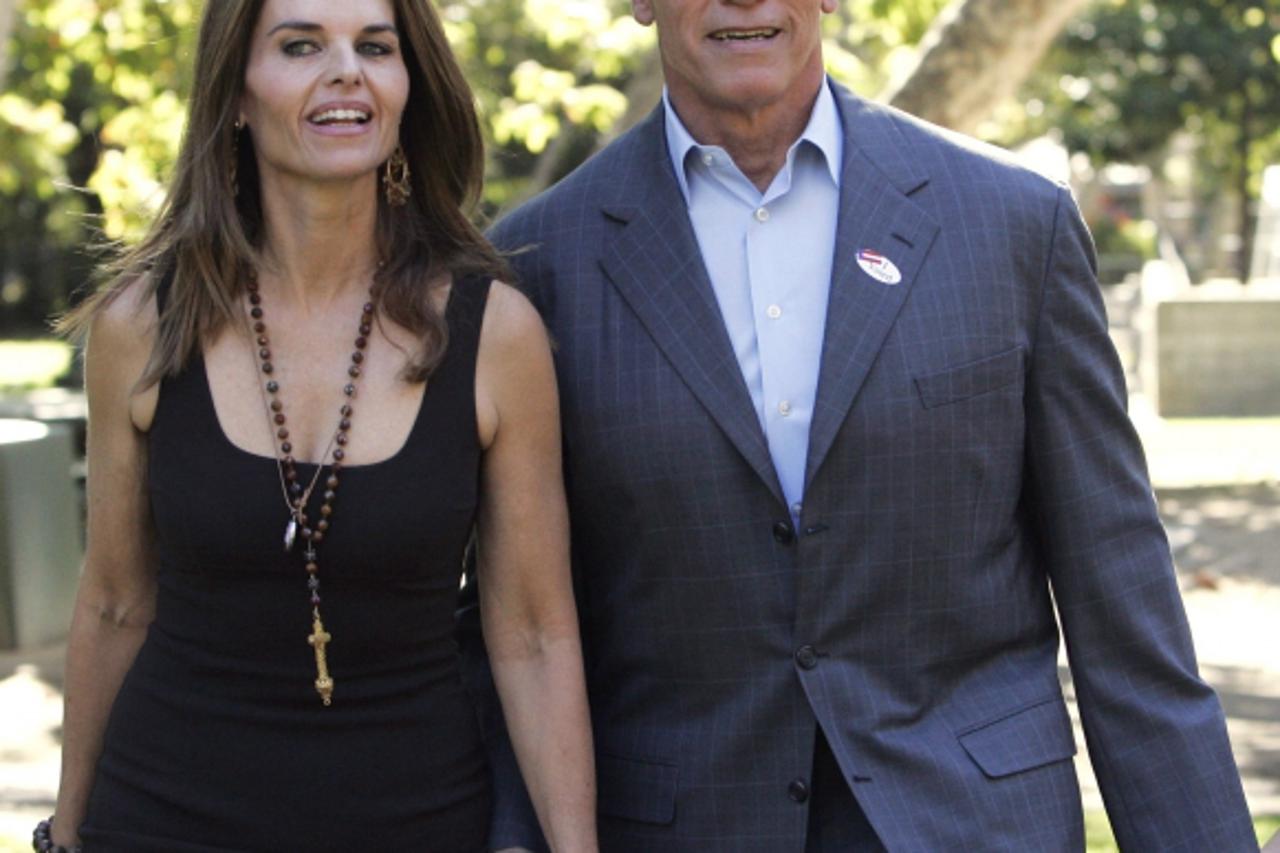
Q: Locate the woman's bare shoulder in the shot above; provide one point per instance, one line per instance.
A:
(515, 378)
(512, 325)
(128, 318)
(121, 337)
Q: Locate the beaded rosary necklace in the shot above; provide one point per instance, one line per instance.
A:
(296, 496)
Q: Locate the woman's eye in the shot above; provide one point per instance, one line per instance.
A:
(375, 48)
(300, 47)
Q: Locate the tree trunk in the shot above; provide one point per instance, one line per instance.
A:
(1243, 143)
(8, 11)
(975, 55)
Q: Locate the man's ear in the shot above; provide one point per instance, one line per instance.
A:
(642, 11)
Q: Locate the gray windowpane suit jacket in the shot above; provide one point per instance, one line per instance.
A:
(969, 454)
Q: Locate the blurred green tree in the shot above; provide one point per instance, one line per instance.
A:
(89, 123)
(1126, 77)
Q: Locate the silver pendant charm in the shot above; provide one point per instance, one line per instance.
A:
(290, 534)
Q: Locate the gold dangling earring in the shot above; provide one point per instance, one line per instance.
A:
(235, 158)
(395, 179)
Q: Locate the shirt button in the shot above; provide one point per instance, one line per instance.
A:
(798, 791)
(796, 508)
(784, 408)
(708, 158)
(807, 657)
(773, 312)
(762, 214)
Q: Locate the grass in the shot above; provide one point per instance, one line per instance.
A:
(1098, 837)
(32, 364)
(1267, 827)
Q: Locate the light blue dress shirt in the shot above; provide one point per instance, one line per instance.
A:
(769, 257)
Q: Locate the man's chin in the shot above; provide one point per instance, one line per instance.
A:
(753, 95)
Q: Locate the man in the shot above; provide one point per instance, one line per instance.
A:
(841, 413)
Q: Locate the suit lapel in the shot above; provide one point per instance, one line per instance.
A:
(875, 214)
(654, 262)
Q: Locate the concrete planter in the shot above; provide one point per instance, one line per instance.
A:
(40, 549)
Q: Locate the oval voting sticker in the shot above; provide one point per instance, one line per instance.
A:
(879, 267)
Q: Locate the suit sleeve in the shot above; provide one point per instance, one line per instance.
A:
(1155, 731)
(514, 822)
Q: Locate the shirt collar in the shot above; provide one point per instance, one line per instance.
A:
(823, 131)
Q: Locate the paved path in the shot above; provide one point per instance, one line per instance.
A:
(1219, 487)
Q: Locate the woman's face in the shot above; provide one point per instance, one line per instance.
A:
(324, 89)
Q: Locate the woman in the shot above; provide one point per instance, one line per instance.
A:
(303, 390)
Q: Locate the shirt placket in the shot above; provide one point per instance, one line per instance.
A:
(785, 406)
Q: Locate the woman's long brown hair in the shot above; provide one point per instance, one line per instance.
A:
(208, 236)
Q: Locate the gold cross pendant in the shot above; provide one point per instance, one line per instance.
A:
(318, 639)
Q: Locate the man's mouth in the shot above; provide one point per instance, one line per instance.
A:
(339, 117)
(761, 34)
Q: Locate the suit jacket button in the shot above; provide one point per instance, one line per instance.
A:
(807, 657)
(784, 533)
(798, 791)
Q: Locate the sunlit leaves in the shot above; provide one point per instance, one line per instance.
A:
(539, 69)
(34, 138)
(529, 124)
(115, 68)
(143, 139)
(596, 106)
(565, 23)
(869, 42)
(89, 122)
(129, 189)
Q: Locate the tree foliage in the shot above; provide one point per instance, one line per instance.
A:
(89, 123)
(1132, 73)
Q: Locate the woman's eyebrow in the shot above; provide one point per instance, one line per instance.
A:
(305, 26)
(309, 26)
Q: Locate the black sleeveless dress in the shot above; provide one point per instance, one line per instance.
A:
(218, 740)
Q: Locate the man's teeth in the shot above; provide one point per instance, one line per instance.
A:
(333, 116)
(744, 35)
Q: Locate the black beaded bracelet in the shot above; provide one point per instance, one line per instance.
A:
(42, 840)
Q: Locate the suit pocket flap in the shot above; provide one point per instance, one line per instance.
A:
(1034, 736)
(636, 790)
(970, 380)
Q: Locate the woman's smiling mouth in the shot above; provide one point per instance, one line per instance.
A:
(340, 117)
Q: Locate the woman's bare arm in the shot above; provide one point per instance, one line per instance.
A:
(526, 596)
(116, 599)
